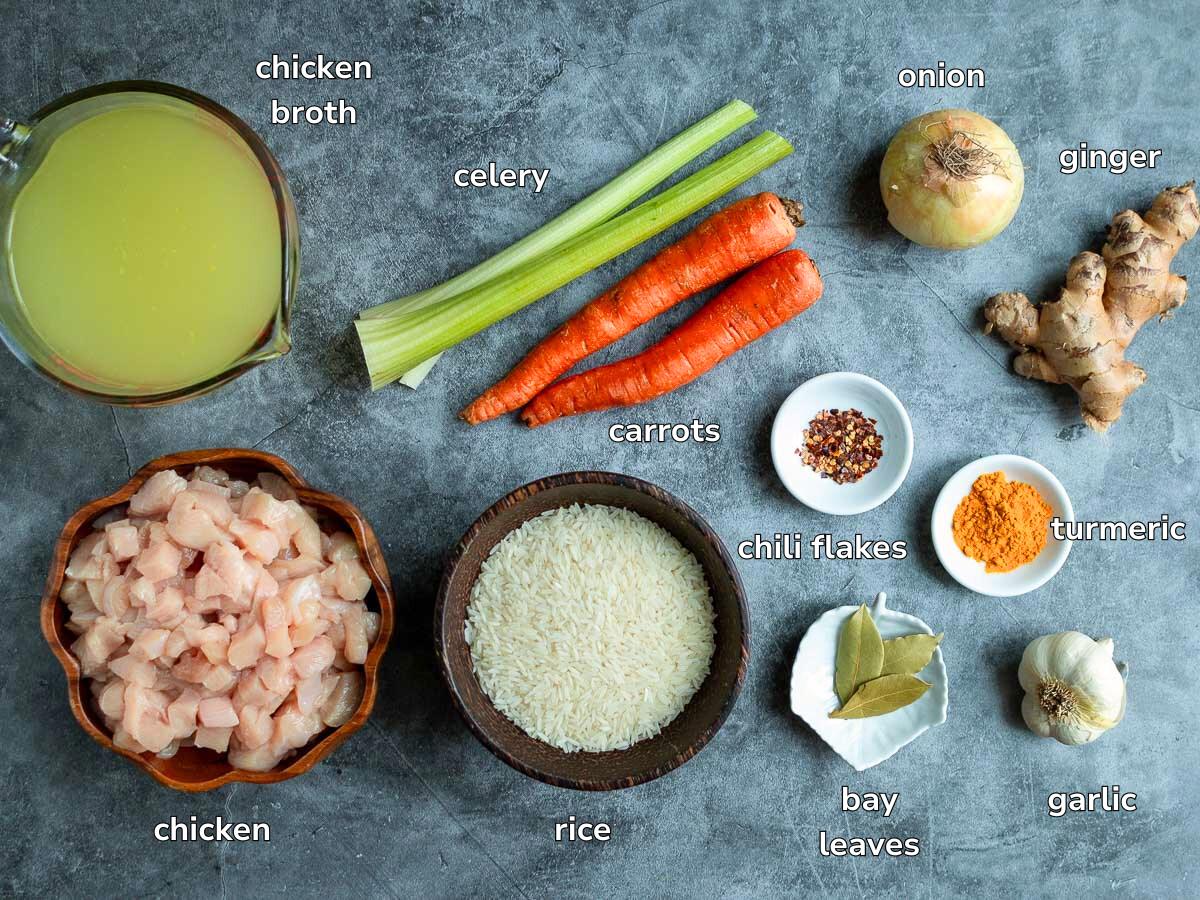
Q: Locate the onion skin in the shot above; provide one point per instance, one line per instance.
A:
(934, 208)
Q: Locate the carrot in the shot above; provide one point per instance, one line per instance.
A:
(770, 294)
(724, 244)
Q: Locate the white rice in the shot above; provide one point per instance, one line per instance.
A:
(590, 627)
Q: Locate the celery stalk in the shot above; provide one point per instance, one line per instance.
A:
(597, 207)
(397, 343)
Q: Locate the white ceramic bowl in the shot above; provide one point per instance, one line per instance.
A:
(842, 390)
(970, 572)
(864, 742)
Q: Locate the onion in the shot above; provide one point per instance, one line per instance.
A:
(951, 179)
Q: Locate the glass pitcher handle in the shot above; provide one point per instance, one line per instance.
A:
(12, 132)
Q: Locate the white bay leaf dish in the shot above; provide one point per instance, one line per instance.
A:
(863, 742)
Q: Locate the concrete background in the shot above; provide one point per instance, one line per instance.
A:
(413, 805)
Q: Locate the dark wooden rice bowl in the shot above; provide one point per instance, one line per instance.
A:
(194, 769)
(646, 760)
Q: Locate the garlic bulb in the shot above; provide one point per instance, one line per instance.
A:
(1074, 692)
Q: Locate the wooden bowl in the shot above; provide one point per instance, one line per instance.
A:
(192, 768)
(682, 738)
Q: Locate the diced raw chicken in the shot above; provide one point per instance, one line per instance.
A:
(308, 693)
(356, 646)
(136, 671)
(166, 607)
(258, 540)
(75, 595)
(277, 486)
(181, 713)
(217, 712)
(372, 621)
(350, 580)
(260, 759)
(217, 615)
(158, 561)
(122, 739)
(254, 728)
(114, 600)
(142, 593)
(267, 586)
(157, 494)
(294, 729)
(145, 718)
(277, 675)
(89, 548)
(228, 563)
(305, 533)
(190, 524)
(192, 667)
(220, 678)
(122, 539)
(286, 569)
(342, 546)
(100, 642)
(313, 658)
(302, 598)
(214, 643)
(216, 505)
(207, 487)
(344, 700)
(304, 632)
(111, 699)
(247, 646)
(149, 644)
(261, 507)
(213, 738)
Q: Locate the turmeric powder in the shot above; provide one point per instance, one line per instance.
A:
(1001, 523)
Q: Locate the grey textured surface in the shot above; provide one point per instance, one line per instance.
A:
(413, 805)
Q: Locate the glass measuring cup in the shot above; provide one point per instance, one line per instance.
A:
(24, 148)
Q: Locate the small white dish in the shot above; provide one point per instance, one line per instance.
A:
(864, 742)
(970, 573)
(842, 390)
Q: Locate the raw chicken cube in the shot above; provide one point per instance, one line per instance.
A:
(214, 643)
(141, 590)
(355, 627)
(227, 561)
(276, 485)
(213, 738)
(304, 632)
(100, 642)
(294, 729)
(313, 658)
(181, 713)
(111, 699)
(260, 759)
(114, 599)
(349, 579)
(211, 474)
(285, 569)
(217, 712)
(259, 541)
(342, 546)
(145, 718)
(309, 692)
(277, 675)
(344, 700)
(304, 531)
(136, 671)
(75, 595)
(254, 728)
(220, 678)
(123, 540)
(267, 511)
(122, 739)
(247, 646)
(158, 562)
(157, 494)
(303, 598)
(88, 549)
(207, 487)
(192, 667)
(149, 644)
(190, 525)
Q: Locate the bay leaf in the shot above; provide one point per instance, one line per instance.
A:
(881, 696)
(859, 653)
(908, 655)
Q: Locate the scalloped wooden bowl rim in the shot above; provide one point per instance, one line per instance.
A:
(373, 562)
(677, 507)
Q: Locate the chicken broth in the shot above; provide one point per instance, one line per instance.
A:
(145, 249)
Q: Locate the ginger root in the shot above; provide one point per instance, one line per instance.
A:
(1080, 339)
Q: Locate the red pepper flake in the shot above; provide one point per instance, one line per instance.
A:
(842, 445)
